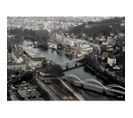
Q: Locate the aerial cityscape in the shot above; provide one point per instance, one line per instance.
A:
(66, 58)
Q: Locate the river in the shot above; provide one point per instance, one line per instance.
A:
(61, 58)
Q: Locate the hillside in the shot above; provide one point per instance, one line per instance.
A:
(104, 27)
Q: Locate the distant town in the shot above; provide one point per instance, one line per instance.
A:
(65, 58)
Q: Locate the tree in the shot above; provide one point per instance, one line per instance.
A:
(59, 46)
(55, 69)
(42, 37)
(44, 62)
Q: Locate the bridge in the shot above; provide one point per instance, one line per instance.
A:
(73, 61)
(95, 85)
(71, 64)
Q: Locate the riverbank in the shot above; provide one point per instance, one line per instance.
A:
(106, 75)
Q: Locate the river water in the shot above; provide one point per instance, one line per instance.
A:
(61, 58)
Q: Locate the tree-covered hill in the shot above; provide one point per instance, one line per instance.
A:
(104, 27)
